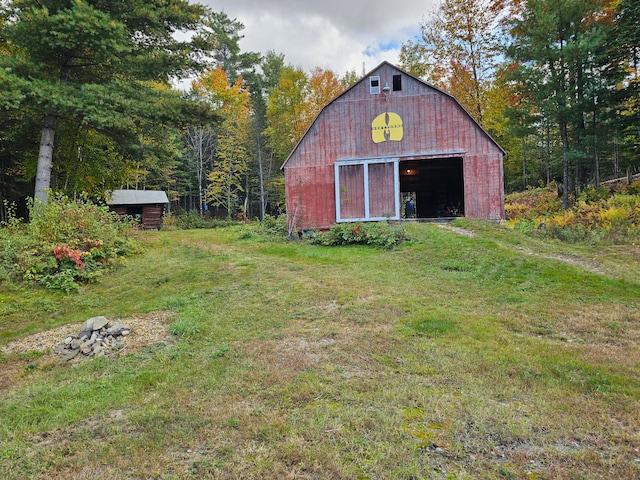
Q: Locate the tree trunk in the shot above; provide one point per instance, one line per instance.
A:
(45, 157)
(548, 151)
(229, 180)
(616, 158)
(47, 143)
(200, 173)
(261, 177)
(596, 156)
(524, 163)
(565, 164)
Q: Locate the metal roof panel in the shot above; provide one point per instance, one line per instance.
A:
(137, 197)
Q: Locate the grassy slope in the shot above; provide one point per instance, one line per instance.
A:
(450, 357)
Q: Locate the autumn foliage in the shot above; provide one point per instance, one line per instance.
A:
(66, 243)
(610, 214)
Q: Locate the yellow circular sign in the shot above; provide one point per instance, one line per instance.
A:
(387, 127)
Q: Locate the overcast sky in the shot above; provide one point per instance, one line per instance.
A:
(340, 35)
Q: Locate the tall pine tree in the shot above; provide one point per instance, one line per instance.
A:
(98, 64)
(555, 55)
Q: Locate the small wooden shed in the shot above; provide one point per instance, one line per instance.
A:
(389, 140)
(148, 206)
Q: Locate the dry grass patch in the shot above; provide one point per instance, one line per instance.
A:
(601, 324)
(602, 333)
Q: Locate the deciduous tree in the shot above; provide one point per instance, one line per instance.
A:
(226, 180)
(457, 51)
(286, 114)
(295, 102)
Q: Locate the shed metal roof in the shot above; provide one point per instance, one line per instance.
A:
(137, 197)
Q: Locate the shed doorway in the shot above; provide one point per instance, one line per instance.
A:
(436, 187)
(135, 211)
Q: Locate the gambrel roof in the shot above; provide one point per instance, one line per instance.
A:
(364, 79)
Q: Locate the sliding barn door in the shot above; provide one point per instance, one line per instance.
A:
(352, 192)
(367, 190)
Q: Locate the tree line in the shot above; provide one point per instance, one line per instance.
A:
(90, 103)
(556, 82)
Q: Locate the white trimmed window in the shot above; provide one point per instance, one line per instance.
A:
(374, 85)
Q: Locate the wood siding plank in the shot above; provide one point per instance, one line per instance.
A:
(381, 190)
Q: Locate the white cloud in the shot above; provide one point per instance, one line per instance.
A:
(340, 35)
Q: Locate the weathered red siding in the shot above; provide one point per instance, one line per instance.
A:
(381, 190)
(352, 188)
(434, 125)
(310, 197)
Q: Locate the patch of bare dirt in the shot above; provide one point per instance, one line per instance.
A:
(571, 260)
(146, 330)
(460, 231)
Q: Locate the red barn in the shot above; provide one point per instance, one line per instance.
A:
(390, 139)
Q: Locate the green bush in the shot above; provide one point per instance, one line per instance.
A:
(193, 220)
(377, 234)
(11, 245)
(65, 244)
(276, 226)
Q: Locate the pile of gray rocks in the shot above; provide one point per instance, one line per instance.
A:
(97, 337)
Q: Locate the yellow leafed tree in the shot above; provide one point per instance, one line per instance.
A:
(226, 179)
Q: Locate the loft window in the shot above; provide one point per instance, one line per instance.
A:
(397, 83)
(374, 85)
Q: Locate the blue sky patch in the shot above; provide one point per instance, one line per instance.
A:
(374, 50)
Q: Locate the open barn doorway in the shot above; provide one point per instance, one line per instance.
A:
(436, 187)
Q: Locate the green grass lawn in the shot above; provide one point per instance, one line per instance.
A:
(492, 356)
